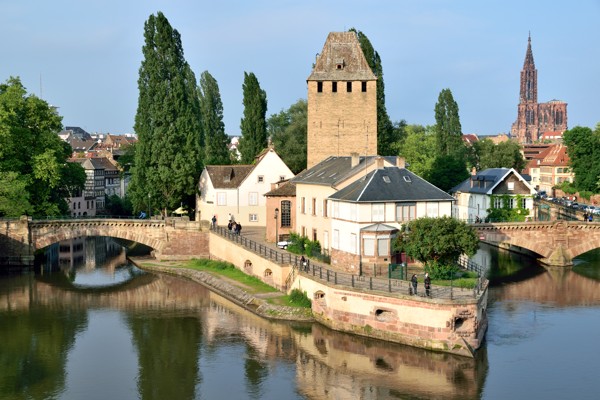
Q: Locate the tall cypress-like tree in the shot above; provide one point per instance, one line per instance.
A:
(216, 140)
(386, 134)
(448, 130)
(168, 157)
(254, 125)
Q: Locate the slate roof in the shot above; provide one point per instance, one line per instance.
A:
(391, 184)
(341, 59)
(228, 176)
(492, 177)
(335, 169)
(379, 228)
(286, 188)
(104, 163)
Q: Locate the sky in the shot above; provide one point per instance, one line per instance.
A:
(84, 56)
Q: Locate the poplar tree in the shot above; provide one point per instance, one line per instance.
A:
(216, 140)
(448, 130)
(253, 125)
(168, 157)
(386, 134)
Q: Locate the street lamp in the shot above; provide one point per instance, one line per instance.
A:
(276, 226)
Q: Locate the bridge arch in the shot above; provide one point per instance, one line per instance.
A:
(557, 242)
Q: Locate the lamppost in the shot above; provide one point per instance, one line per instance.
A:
(276, 226)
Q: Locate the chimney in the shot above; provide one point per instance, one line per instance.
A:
(379, 161)
(473, 171)
(400, 162)
(355, 160)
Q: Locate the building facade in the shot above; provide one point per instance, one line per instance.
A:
(342, 101)
(533, 118)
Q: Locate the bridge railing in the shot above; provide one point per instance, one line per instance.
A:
(332, 277)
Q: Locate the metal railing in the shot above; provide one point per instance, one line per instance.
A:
(332, 277)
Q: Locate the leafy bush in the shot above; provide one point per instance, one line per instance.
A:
(440, 271)
(299, 298)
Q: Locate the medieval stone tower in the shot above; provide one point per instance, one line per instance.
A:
(342, 101)
(533, 118)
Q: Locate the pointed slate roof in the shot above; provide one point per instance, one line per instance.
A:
(341, 59)
(391, 184)
(493, 177)
(529, 63)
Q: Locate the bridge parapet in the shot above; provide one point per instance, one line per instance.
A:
(557, 242)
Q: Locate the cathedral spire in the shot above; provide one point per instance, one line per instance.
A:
(529, 63)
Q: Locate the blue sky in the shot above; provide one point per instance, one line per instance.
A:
(84, 55)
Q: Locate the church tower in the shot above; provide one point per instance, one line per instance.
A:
(533, 118)
(342, 101)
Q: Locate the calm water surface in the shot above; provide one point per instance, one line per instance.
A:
(102, 329)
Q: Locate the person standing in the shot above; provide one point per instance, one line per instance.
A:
(214, 221)
(427, 283)
(414, 281)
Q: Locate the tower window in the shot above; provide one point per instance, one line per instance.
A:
(363, 86)
(348, 87)
(320, 87)
(334, 87)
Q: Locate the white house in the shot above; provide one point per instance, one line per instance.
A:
(489, 189)
(239, 189)
(367, 215)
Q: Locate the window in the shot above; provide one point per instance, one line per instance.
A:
(406, 211)
(363, 87)
(261, 179)
(383, 247)
(524, 202)
(314, 206)
(433, 210)
(314, 235)
(303, 205)
(349, 87)
(286, 213)
(253, 198)
(320, 87)
(253, 217)
(335, 239)
(377, 212)
(325, 208)
(497, 202)
(511, 202)
(221, 199)
(511, 185)
(334, 87)
(281, 178)
(353, 243)
(369, 246)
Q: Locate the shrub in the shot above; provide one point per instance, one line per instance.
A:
(439, 271)
(299, 298)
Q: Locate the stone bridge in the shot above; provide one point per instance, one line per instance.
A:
(556, 242)
(170, 239)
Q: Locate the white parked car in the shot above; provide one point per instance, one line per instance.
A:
(283, 244)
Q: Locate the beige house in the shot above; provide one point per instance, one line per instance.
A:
(367, 215)
(315, 185)
(238, 190)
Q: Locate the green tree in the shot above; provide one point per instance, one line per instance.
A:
(216, 141)
(437, 242)
(253, 125)
(168, 156)
(486, 154)
(583, 148)
(34, 171)
(386, 134)
(288, 131)
(419, 150)
(447, 125)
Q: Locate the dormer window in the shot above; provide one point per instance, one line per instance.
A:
(339, 64)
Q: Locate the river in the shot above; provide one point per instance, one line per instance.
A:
(96, 327)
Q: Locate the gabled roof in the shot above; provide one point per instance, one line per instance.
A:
(336, 169)
(391, 184)
(103, 163)
(470, 138)
(492, 176)
(379, 228)
(341, 59)
(228, 176)
(555, 156)
(285, 188)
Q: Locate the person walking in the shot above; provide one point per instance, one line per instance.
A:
(414, 281)
(427, 283)
(214, 221)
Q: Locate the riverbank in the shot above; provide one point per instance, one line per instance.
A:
(255, 303)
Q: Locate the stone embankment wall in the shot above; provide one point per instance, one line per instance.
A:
(235, 294)
(455, 326)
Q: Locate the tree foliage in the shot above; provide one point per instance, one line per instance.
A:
(168, 157)
(437, 241)
(386, 133)
(447, 125)
(288, 131)
(35, 177)
(419, 149)
(253, 125)
(486, 154)
(216, 141)
(583, 148)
